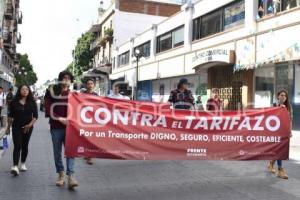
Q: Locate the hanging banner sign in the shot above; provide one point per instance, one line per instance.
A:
(119, 129)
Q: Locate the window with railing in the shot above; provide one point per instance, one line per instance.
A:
(144, 49)
(123, 59)
(170, 39)
(229, 16)
(269, 7)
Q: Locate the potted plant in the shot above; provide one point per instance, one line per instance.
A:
(103, 42)
(109, 32)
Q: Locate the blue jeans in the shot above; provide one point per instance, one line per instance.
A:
(279, 163)
(58, 140)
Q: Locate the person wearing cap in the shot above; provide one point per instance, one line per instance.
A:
(181, 97)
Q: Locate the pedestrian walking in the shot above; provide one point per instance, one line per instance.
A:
(9, 98)
(56, 106)
(181, 97)
(282, 101)
(116, 93)
(2, 103)
(90, 87)
(214, 103)
(199, 103)
(22, 116)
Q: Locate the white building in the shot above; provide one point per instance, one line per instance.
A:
(249, 49)
(116, 25)
(10, 18)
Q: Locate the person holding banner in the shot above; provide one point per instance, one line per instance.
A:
(56, 107)
(90, 86)
(283, 101)
(182, 98)
(22, 116)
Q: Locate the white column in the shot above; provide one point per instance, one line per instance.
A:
(251, 9)
(116, 54)
(188, 25)
(153, 41)
(131, 53)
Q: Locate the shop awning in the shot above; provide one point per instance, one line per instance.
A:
(117, 76)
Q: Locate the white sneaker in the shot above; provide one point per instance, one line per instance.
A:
(14, 171)
(23, 167)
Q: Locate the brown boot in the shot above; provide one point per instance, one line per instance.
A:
(72, 183)
(282, 174)
(271, 167)
(61, 179)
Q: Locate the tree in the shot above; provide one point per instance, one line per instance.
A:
(26, 74)
(82, 54)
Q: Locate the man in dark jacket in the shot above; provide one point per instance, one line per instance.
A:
(56, 107)
(182, 98)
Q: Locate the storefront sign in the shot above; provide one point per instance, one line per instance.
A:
(278, 46)
(213, 55)
(109, 128)
(245, 54)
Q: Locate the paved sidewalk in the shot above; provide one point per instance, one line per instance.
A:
(136, 180)
(295, 146)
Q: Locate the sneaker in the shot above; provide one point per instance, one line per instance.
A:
(282, 174)
(72, 183)
(271, 167)
(61, 179)
(14, 171)
(23, 167)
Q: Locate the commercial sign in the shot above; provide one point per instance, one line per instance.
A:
(213, 55)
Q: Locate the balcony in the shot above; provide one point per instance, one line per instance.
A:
(19, 38)
(7, 42)
(105, 62)
(17, 59)
(95, 45)
(20, 17)
(17, 3)
(9, 11)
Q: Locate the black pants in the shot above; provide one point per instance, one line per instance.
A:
(21, 141)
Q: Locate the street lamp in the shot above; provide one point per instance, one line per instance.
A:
(138, 55)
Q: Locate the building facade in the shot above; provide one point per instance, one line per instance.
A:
(249, 49)
(115, 26)
(10, 18)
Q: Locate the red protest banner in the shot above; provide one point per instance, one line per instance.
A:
(119, 129)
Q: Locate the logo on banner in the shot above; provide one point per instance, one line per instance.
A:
(80, 149)
(196, 152)
(242, 153)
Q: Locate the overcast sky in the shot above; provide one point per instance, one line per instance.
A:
(50, 30)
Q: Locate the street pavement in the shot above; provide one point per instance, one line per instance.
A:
(143, 180)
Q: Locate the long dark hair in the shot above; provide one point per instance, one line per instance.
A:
(30, 101)
(287, 101)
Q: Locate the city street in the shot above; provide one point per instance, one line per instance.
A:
(108, 179)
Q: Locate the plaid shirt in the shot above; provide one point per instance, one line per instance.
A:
(182, 100)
